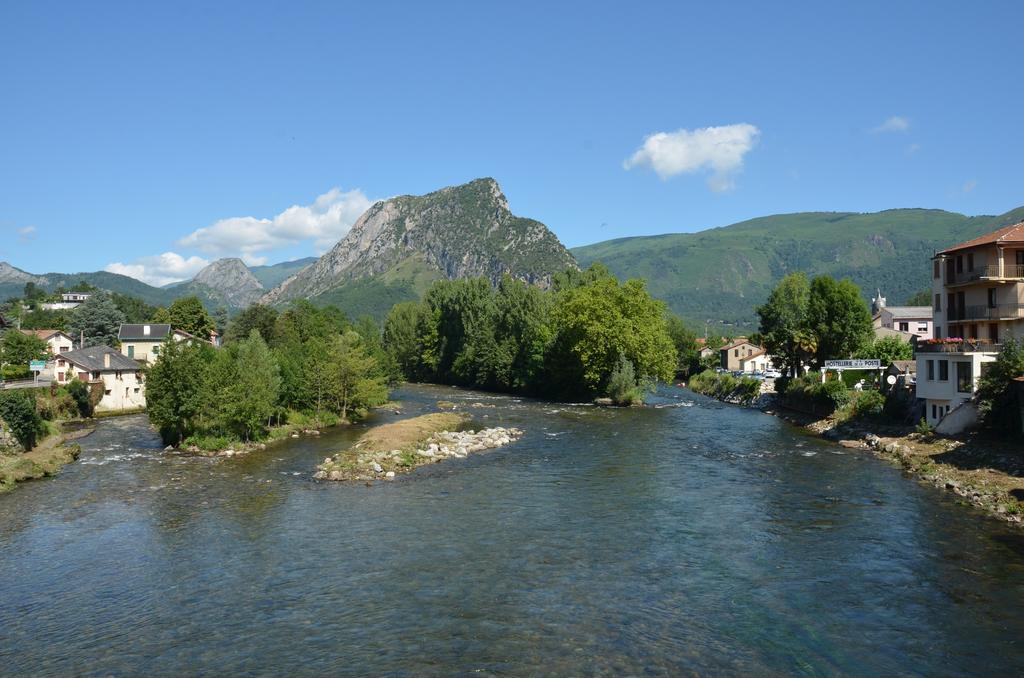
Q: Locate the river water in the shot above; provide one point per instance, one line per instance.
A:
(686, 537)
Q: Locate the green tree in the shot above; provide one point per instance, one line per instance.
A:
(18, 413)
(784, 321)
(355, 386)
(257, 317)
(18, 348)
(998, 391)
(685, 341)
(135, 310)
(178, 388)
(922, 298)
(838, 317)
(253, 394)
(887, 349)
(596, 323)
(189, 314)
(33, 293)
(97, 321)
(622, 384)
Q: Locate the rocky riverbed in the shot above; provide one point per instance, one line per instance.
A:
(369, 464)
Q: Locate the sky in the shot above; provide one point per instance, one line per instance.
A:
(152, 138)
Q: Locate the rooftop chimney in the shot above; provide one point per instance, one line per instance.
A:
(145, 330)
(106, 361)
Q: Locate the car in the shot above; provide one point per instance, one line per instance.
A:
(772, 374)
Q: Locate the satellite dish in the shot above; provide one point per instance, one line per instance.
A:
(891, 379)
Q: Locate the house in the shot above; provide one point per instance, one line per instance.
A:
(142, 342)
(56, 341)
(758, 361)
(67, 301)
(101, 366)
(731, 353)
(915, 320)
(978, 300)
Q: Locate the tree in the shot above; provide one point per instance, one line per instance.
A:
(189, 314)
(177, 388)
(998, 391)
(97, 321)
(252, 394)
(354, 385)
(257, 317)
(685, 341)
(922, 298)
(784, 321)
(18, 348)
(33, 293)
(135, 310)
(838, 317)
(887, 349)
(18, 413)
(597, 323)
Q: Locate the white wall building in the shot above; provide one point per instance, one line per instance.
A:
(122, 380)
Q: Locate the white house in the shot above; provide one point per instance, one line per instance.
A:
(978, 292)
(142, 342)
(758, 361)
(121, 378)
(56, 341)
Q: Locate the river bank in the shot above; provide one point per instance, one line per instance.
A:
(45, 459)
(986, 472)
(385, 451)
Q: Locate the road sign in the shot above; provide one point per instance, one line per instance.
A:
(867, 364)
(37, 365)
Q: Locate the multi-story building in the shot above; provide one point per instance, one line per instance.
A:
(978, 302)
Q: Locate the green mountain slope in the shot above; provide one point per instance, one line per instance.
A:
(272, 275)
(722, 274)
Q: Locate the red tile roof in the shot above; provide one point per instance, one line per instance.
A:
(42, 334)
(1008, 234)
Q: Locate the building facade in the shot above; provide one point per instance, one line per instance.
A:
(978, 302)
(120, 378)
(731, 354)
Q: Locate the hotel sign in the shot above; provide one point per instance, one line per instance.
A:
(868, 364)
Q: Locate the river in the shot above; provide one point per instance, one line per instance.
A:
(687, 537)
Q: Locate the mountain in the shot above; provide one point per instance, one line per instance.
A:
(721, 275)
(399, 246)
(272, 275)
(225, 282)
(12, 284)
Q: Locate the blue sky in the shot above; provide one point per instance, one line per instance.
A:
(151, 138)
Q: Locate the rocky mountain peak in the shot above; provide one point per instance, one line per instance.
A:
(231, 280)
(458, 232)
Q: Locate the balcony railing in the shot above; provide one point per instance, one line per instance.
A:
(1010, 272)
(946, 346)
(997, 312)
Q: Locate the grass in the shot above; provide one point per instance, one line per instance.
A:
(46, 459)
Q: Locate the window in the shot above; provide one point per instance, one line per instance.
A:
(131, 351)
(904, 327)
(972, 331)
(993, 332)
(970, 261)
(959, 263)
(156, 350)
(922, 328)
(936, 269)
(964, 377)
(991, 297)
(736, 353)
(931, 371)
(943, 370)
(107, 392)
(61, 376)
(938, 302)
(938, 332)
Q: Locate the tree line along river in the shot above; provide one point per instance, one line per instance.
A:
(686, 536)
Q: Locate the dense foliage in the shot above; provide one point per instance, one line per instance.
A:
(998, 392)
(887, 349)
(18, 348)
(813, 321)
(18, 413)
(724, 386)
(96, 321)
(189, 315)
(312, 367)
(562, 343)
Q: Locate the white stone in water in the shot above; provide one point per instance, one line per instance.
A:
(376, 467)
(327, 460)
(336, 475)
(426, 453)
(390, 475)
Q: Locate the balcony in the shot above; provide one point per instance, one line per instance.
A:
(991, 272)
(982, 312)
(951, 346)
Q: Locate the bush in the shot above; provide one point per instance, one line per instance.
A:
(808, 394)
(18, 413)
(622, 386)
(79, 392)
(868, 403)
(724, 386)
(836, 392)
(211, 443)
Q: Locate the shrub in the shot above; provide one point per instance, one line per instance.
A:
(924, 429)
(724, 386)
(211, 443)
(622, 386)
(868, 403)
(79, 392)
(836, 392)
(18, 412)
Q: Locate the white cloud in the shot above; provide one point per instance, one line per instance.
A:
(324, 223)
(160, 269)
(718, 149)
(896, 123)
(26, 233)
(970, 185)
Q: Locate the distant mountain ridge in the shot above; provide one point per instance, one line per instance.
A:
(721, 275)
(398, 246)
